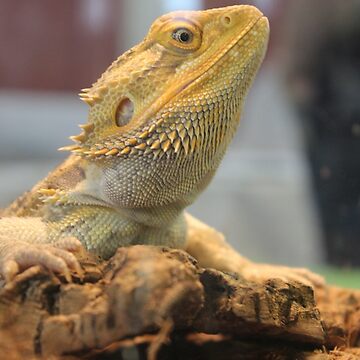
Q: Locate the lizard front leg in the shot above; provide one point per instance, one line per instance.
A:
(209, 247)
(49, 240)
(25, 242)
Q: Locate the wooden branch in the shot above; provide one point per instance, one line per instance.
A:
(152, 296)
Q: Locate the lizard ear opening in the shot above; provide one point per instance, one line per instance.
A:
(124, 112)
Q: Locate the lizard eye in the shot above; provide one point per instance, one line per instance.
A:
(179, 35)
(183, 35)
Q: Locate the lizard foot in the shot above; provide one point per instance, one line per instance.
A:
(263, 272)
(56, 257)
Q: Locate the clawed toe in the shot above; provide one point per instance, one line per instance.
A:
(9, 270)
(70, 260)
(56, 259)
(68, 244)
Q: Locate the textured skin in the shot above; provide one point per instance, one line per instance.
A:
(160, 120)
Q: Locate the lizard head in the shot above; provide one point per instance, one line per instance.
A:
(180, 90)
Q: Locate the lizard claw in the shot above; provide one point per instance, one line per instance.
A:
(56, 258)
(69, 258)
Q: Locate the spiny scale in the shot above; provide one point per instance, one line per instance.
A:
(69, 148)
(91, 99)
(52, 196)
(153, 140)
(88, 100)
(81, 138)
(88, 128)
(112, 152)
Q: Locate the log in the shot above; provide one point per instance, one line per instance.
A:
(156, 301)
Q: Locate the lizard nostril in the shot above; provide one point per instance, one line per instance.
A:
(124, 112)
(226, 20)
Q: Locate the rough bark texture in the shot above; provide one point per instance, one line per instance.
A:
(149, 302)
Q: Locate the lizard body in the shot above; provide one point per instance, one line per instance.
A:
(160, 120)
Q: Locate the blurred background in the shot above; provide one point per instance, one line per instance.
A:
(288, 191)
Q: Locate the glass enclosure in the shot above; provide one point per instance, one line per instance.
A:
(288, 190)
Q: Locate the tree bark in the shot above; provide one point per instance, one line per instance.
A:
(157, 302)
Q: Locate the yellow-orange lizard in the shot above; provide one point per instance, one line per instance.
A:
(160, 120)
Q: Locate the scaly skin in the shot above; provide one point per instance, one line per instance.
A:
(160, 120)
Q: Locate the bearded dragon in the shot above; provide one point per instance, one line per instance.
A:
(160, 120)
